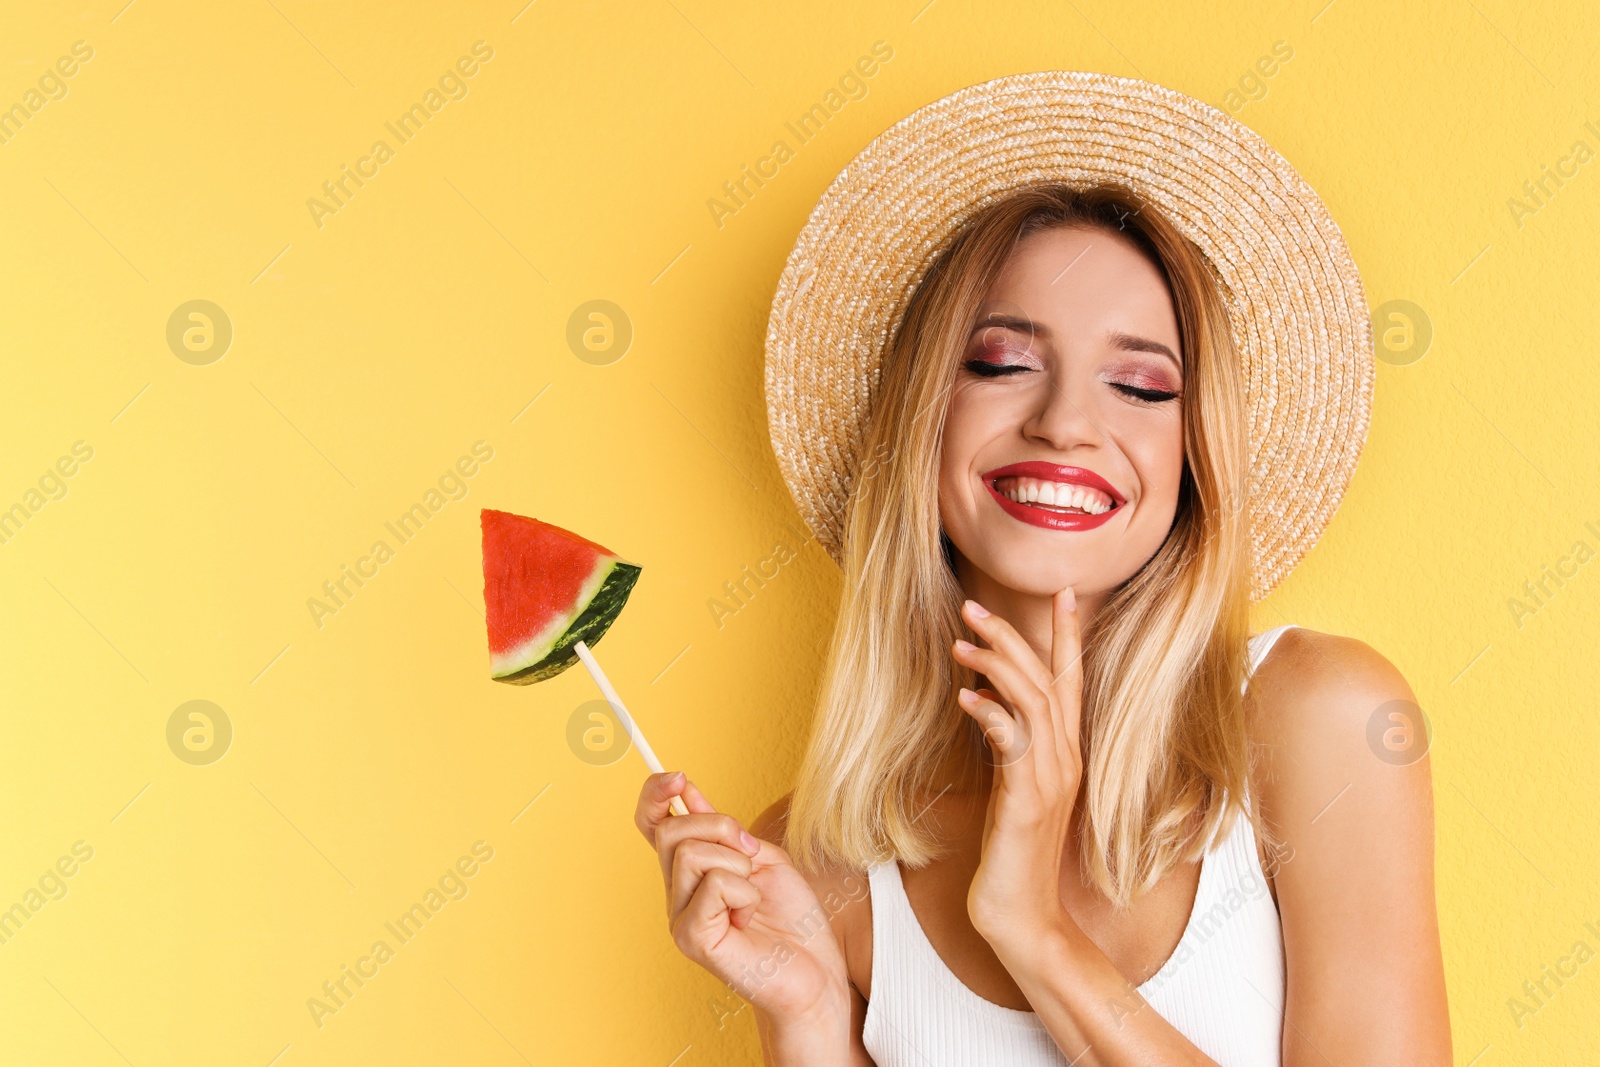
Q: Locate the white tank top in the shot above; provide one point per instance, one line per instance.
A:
(1222, 988)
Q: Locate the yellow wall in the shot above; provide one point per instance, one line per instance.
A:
(370, 351)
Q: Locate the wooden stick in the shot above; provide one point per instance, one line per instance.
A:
(634, 733)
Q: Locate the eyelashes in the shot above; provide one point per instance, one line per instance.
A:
(985, 369)
(1151, 396)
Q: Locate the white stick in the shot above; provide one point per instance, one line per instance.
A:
(634, 734)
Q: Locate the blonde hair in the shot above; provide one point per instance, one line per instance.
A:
(1164, 722)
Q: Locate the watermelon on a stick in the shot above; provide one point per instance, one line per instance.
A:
(547, 595)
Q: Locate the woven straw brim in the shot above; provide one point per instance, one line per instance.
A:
(1295, 300)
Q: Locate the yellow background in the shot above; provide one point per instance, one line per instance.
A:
(368, 354)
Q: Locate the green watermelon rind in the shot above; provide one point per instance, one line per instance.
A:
(588, 627)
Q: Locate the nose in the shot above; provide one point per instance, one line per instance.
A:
(1064, 417)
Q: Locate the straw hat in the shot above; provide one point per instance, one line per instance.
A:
(1295, 301)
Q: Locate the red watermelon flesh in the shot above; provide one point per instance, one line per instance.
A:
(545, 589)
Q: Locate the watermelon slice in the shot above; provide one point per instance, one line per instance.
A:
(544, 590)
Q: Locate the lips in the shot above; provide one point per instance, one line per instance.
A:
(1046, 515)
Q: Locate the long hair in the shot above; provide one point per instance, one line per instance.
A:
(1166, 755)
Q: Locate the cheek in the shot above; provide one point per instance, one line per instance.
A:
(965, 429)
(1156, 451)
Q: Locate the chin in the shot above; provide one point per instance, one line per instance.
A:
(1033, 564)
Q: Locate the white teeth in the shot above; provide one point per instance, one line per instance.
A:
(1055, 494)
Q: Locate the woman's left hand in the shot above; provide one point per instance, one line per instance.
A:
(1032, 727)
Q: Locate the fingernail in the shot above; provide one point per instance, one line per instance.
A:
(967, 697)
(965, 646)
(1071, 598)
(751, 845)
(977, 609)
(676, 779)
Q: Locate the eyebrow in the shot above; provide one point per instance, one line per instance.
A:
(1127, 342)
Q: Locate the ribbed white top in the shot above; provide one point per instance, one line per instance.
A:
(1222, 988)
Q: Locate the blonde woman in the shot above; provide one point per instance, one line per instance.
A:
(1062, 407)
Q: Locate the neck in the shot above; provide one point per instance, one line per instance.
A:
(1028, 613)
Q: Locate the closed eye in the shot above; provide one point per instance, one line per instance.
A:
(1151, 396)
(985, 369)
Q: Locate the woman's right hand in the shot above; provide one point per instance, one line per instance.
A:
(739, 908)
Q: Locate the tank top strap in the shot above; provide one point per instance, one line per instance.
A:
(1262, 643)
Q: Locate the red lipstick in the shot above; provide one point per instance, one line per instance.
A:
(1043, 514)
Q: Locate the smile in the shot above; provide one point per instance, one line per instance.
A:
(1053, 496)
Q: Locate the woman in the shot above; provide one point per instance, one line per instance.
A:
(1043, 817)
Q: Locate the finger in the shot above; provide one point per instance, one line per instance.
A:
(1001, 636)
(1028, 699)
(1008, 736)
(691, 862)
(695, 800)
(715, 827)
(704, 922)
(1066, 643)
(655, 801)
(1066, 660)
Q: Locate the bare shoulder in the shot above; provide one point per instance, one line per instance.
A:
(1320, 694)
(1314, 680)
(1344, 778)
